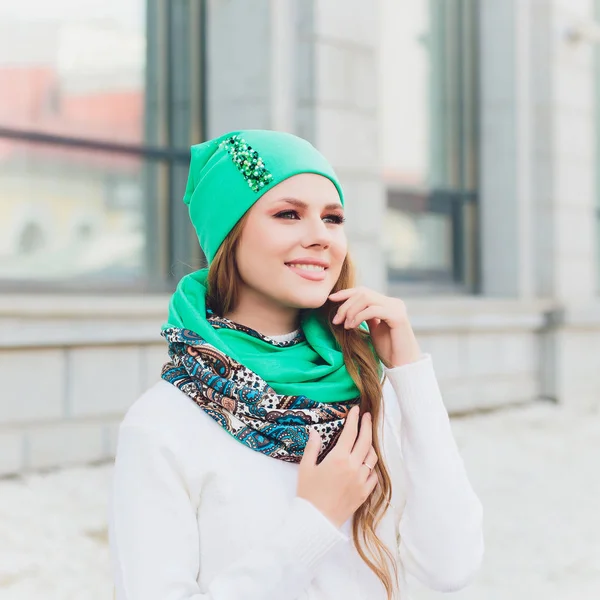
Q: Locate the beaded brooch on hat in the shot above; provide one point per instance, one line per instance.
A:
(248, 162)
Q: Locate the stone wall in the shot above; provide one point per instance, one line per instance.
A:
(69, 369)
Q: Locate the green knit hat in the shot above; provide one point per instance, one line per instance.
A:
(230, 173)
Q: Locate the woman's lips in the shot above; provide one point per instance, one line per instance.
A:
(306, 274)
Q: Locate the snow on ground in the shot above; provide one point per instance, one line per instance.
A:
(536, 470)
(53, 536)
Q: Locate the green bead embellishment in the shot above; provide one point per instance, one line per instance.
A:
(248, 162)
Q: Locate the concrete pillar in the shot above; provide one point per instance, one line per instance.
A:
(238, 65)
(538, 193)
(505, 185)
(565, 199)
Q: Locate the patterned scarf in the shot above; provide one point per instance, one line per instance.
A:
(243, 403)
(313, 367)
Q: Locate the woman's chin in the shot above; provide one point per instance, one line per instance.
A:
(314, 299)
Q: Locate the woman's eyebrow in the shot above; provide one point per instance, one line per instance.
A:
(300, 204)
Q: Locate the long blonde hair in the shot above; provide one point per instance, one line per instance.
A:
(223, 285)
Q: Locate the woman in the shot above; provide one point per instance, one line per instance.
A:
(297, 446)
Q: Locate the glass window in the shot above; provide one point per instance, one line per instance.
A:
(74, 68)
(428, 132)
(95, 129)
(73, 217)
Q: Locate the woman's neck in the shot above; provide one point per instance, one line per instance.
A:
(265, 318)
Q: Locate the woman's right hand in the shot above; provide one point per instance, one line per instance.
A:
(341, 482)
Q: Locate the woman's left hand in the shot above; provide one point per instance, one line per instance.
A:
(392, 335)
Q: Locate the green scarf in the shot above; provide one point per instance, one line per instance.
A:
(313, 368)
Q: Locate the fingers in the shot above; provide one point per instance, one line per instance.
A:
(371, 312)
(371, 459)
(372, 481)
(353, 301)
(365, 438)
(347, 438)
(351, 315)
(312, 449)
(348, 309)
(341, 295)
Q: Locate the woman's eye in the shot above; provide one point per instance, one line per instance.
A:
(286, 214)
(337, 219)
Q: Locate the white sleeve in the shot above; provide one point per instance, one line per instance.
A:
(154, 536)
(440, 533)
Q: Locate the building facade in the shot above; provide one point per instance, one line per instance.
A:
(465, 133)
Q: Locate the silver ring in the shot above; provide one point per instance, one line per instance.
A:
(367, 465)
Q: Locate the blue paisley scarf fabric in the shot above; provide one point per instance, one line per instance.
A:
(243, 403)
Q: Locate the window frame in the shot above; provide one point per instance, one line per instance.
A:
(175, 109)
(454, 147)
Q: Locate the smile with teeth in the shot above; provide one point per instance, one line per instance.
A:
(306, 267)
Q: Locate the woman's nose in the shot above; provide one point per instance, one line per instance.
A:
(317, 233)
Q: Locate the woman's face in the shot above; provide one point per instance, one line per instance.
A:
(293, 243)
